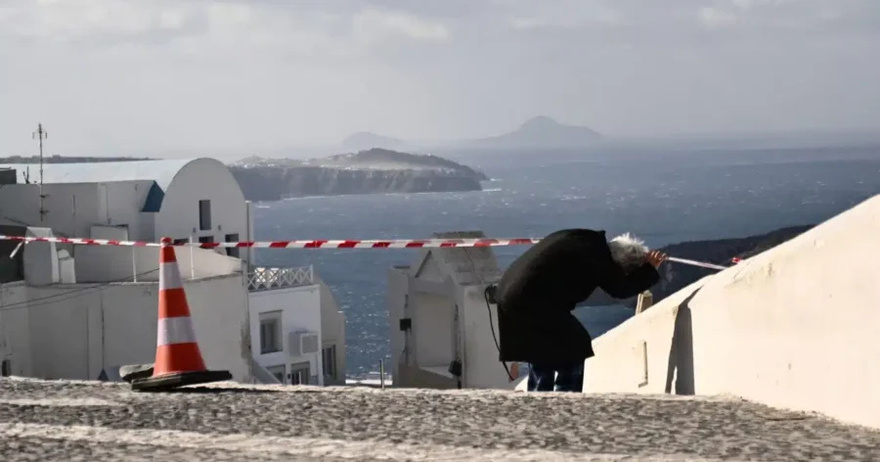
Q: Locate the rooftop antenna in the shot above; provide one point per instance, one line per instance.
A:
(41, 135)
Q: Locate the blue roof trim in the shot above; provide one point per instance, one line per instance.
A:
(154, 199)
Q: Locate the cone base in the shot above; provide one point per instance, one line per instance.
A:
(171, 381)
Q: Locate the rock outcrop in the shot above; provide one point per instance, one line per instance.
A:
(374, 171)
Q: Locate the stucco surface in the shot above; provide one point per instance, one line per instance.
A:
(793, 327)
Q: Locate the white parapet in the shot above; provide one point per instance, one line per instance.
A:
(793, 327)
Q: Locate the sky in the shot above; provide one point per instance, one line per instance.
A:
(154, 77)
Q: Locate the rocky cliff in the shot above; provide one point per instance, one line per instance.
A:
(676, 276)
(367, 172)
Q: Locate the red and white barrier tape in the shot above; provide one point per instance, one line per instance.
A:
(300, 244)
(324, 244)
(699, 263)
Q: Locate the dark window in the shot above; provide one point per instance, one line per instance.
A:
(329, 358)
(206, 239)
(204, 215)
(232, 251)
(299, 374)
(270, 332)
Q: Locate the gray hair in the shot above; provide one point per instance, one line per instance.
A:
(628, 251)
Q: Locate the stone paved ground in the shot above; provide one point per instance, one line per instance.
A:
(75, 421)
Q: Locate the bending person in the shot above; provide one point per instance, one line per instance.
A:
(539, 291)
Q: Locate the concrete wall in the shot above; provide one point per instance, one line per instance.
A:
(300, 309)
(432, 340)
(482, 369)
(15, 334)
(433, 329)
(793, 327)
(415, 377)
(396, 299)
(203, 179)
(73, 208)
(104, 264)
(74, 331)
(332, 329)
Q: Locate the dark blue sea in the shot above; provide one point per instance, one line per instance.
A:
(663, 196)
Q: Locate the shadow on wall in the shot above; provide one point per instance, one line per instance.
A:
(681, 353)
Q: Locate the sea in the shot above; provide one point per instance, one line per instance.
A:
(663, 196)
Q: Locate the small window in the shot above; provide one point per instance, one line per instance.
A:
(204, 214)
(299, 374)
(277, 372)
(328, 356)
(206, 239)
(270, 332)
(232, 251)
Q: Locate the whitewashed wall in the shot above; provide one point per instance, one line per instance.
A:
(482, 369)
(73, 208)
(396, 298)
(15, 333)
(203, 179)
(73, 331)
(793, 327)
(301, 311)
(102, 264)
(332, 327)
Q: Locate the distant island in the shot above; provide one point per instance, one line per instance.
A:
(539, 132)
(370, 171)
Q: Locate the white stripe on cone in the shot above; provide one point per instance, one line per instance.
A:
(172, 331)
(169, 276)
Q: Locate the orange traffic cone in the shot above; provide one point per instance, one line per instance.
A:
(178, 358)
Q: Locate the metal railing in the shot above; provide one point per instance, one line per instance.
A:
(260, 278)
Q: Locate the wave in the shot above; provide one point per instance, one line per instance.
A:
(422, 193)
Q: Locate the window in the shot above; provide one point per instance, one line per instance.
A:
(232, 251)
(328, 356)
(270, 332)
(204, 214)
(277, 372)
(5, 368)
(206, 239)
(299, 374)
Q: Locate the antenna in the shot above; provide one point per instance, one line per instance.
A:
(41, 135)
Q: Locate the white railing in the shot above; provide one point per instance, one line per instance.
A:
(260, 278)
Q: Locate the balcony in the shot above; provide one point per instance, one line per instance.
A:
(260, 278)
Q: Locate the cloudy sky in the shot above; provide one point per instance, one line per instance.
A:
(155, 76)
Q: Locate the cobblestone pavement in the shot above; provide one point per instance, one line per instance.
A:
(74, 421)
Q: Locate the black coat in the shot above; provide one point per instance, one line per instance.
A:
(537, 293)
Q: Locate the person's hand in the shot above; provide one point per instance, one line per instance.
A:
(656, 257)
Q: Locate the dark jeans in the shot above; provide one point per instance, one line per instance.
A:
(543, 377)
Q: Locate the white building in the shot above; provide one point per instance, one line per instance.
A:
(74, 311)
(438, 315)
